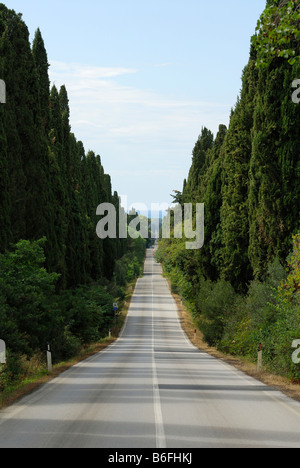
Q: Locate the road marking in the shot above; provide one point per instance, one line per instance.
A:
(159, 424)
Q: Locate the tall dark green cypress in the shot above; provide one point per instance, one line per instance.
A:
(12, 171)
(110, 247)
(27, 147)
(55, 126)
(235, 266)
(212, 199)
(57, 256)
(41, 65)
(289, 159)
(5, 205)
(49, 186)
(256, 176)
(274, 176)
(199, 165)
(94, 196)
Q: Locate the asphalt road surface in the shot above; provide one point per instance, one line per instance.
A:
(152, 389)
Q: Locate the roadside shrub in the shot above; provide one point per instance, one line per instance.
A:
(86, 312)
(26, 298)
(286, 328)
(253, 317)
(214, 304)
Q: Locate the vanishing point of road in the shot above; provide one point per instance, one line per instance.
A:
(152, 389)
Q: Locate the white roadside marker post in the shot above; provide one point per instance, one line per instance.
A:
(259, 358)
(49, 359)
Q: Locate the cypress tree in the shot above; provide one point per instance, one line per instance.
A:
(95, 195)
(212, 200)
(289, 161)
(26, 144)
(55, 125)
(235, 266)
(5, 206)
(75, 251)
(204, 186)
(57, 256)
(12, 172)
(49, 187)
(274, 176)
(41, 65)
(199, 165)
(110, 245)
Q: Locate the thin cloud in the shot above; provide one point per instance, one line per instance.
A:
(86, 71)
(99, 101)
(132, 127)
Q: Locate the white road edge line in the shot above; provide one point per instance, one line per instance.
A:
(159, 424)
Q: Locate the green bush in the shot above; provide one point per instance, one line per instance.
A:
(12, 371)
(253, 317)
(33, 313)
(130, 266)
(214, 304)
(26, 295)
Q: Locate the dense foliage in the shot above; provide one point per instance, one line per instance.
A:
(278, 32)
(248, 177)
(58, 280)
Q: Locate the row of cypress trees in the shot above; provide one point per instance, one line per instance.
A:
(58, 280)
(49, 186)
(249, 177)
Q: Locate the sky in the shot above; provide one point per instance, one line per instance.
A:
(143, 77)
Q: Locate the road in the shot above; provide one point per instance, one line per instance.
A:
(152, 389)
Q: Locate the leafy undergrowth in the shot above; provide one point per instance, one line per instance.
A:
(35, 372)
(289, 387)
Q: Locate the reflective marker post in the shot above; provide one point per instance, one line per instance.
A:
(259, 359)
(49, 359)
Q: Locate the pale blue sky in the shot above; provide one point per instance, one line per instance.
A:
(144, 77)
